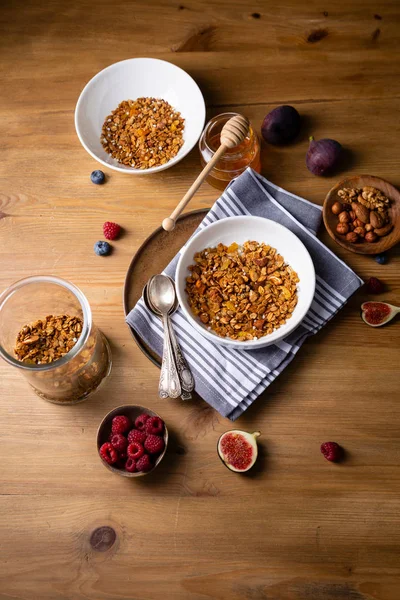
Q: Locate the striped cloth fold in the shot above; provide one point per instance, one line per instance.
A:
(229, 379)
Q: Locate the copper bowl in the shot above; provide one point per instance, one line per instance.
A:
(103, 433)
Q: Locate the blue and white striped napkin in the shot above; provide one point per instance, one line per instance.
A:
(229, 379)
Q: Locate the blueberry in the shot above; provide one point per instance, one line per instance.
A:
(102, 248)
(381, 258)
(97, 177)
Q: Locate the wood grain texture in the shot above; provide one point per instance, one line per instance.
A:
(297, 528)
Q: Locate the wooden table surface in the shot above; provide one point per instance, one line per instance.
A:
(299, 528)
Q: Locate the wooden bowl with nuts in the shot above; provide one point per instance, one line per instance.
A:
(362, 214)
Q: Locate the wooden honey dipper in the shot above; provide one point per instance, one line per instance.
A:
(233, 133)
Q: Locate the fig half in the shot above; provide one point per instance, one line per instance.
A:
(238, 449)
(376, 314)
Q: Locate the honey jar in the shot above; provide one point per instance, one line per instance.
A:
(235, 160)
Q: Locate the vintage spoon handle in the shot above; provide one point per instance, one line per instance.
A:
(184, 372)
(233, 132)
(174, 385)
(163, 384)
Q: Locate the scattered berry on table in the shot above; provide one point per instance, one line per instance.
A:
(375, 286)
(135, 450)
(130, 465)
(111, 230)
(108, 453)
(144, 464)
(141, 421)
(102, 248)
(135, 435)
(332, 451)
(120, 424)
(97, 177)
(119, 442)
(382, 258)
(154, 425)
(154, 444)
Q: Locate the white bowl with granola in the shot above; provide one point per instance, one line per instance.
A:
(245, 282)
(140, 115)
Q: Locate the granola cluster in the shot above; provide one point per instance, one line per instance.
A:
(143, 133)
(46, 340)
(243, 292)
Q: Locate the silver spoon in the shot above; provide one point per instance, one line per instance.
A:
(161, 294)
(184, 372)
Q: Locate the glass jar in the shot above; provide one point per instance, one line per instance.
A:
(235, 160)
(74, 376)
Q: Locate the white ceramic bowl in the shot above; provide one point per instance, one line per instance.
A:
(240, 230)
(128, 80)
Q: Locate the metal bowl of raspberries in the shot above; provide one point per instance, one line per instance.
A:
(132, 440)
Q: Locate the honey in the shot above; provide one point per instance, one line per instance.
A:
(235, 160)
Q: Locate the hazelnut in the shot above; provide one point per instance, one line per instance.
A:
(360, 231)
(358, 223)
(368, 227)
(371, 236)
(352, 215)
(337, 208)
(352, 237)
(342, 228)
(344, 217)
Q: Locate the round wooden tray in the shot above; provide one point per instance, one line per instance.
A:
(359, 181)
(152, 257)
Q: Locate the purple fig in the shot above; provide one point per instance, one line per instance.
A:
(281, 125)
(322, 156)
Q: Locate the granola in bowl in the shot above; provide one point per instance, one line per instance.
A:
(143, 133)
(242, 292)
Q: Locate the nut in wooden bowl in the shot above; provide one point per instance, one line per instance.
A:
(373, 208)
(132, 411)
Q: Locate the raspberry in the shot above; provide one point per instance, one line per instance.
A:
(111, 230)
(108, 453)
(135, 450)
(141, 420)
(375, 286)
(331, 450)
(136, 436)
(144, 464)
(154, 444)
(120, 424)
(154, 425)
(130, 465)
(122, 456)
(119, 442)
